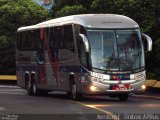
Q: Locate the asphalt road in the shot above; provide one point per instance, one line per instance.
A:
(16, 104)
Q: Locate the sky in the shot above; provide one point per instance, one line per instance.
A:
(41, 3)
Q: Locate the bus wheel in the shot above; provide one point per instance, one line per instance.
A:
(29, 88)
(73, 91)
(123, 97)
(74, 95)
(34, 88)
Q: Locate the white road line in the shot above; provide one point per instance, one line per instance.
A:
(12, 93)
(5, 90)
(2, 108)
(9, 86)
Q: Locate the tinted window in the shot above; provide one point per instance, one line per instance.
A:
(68, 41)
(52, 39)
(28, 40)
(19, 41)
(57, 35)
(81, 53)
(25, 41)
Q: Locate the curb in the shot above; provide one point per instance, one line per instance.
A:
(8, 77)
(152, 83)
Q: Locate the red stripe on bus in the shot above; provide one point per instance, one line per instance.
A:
(53, 64)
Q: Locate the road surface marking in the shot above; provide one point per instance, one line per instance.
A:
(5, 89)
(99, 109)
(12, 93)
(2, 108)
(10, 90)
(9, 86)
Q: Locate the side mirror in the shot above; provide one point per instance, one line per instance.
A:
(85, 42)
(148, 40)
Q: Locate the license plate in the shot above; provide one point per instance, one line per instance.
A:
(121, 87)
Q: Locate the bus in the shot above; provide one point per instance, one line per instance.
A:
(87, 54)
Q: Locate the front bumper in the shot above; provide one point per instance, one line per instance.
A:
(104, 89)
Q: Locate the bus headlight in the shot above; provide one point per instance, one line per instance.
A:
(143, 87)
(93, 88)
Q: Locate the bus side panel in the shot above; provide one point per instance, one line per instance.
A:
(47, 63)
(68, 66)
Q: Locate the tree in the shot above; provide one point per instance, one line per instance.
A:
(70, 10)
(70, 7)
(19, 13)
(14, 14)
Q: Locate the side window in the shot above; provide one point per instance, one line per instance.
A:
(28, 40)
(57, 34)
(37, 40)
(52, 39)
(79, 30)
(24, 42)
(68, 41)
(19, 41)
(81, 53)
(32, 40)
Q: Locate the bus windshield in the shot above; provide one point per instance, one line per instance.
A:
(116, 50)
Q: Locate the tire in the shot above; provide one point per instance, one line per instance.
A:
(74, 95)
(29, 87)
(123, 97)
(35, 90)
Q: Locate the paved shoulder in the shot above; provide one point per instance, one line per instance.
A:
(151, 93)
(12, 90)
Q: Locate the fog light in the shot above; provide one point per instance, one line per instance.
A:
(143, 87)
(93, 88)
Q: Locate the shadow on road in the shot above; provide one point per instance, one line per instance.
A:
(8, 82)
(97, 99)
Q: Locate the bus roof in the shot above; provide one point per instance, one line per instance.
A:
(110, 21)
